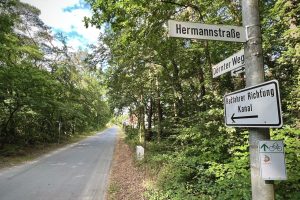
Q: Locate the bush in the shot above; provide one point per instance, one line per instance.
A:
(202, 165)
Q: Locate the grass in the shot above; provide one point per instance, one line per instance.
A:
(22, 154)
(113, 189)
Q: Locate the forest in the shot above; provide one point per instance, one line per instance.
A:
(167, 84)
(49, 92)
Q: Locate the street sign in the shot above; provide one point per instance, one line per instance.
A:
(271, 159)
(206, 32)
(257, 106)
(231, 63)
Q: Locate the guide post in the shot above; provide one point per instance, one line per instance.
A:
(261, 189)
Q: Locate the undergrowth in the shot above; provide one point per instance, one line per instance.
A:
(204, 164)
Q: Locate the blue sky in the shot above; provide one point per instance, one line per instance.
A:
(66, 16)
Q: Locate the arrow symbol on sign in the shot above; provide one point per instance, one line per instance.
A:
(264, 146)
(240, 69)
(242, 117)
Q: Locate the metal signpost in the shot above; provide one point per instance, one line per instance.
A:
(231, 63)
(261, 189)
(257, 106)
(272, 162)
(206, 31)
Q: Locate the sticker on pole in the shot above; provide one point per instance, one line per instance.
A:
(256, 106)
(271, 159)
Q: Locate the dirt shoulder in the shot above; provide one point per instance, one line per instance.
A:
(126, 181)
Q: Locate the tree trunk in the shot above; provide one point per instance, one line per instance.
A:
(178, 106)
(59, 129)
(142, 121)
(159, 112)
(8, 127)
(149, 120)
(201, 81)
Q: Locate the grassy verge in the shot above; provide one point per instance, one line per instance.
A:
(113, 190)
(21, 154)
(126, 178)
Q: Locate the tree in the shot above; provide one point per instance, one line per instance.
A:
(47, 92)
(209, 158)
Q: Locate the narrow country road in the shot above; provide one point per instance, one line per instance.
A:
(77, 172)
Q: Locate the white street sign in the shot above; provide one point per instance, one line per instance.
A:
(271, 158)
(206, 32)
(231, 63)
(256, 106)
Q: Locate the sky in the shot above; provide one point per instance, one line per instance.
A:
(66, 16)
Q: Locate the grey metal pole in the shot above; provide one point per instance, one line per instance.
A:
(261, 190)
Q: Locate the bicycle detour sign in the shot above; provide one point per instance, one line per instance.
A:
(272, 162)
(256, 106)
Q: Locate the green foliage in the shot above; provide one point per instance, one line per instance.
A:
(131, 136)
(10, 150)
(202, 164)
(47, 94)
(168, 82)
(289, 189)
(119, 120)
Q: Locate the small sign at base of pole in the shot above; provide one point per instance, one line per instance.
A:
(271, 159)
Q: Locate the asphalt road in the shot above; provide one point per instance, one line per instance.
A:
(77, 172)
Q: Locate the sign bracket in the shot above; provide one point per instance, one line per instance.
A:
(247, 33)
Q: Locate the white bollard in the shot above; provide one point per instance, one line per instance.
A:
(139, 152)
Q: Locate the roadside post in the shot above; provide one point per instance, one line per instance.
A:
(261, 189)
